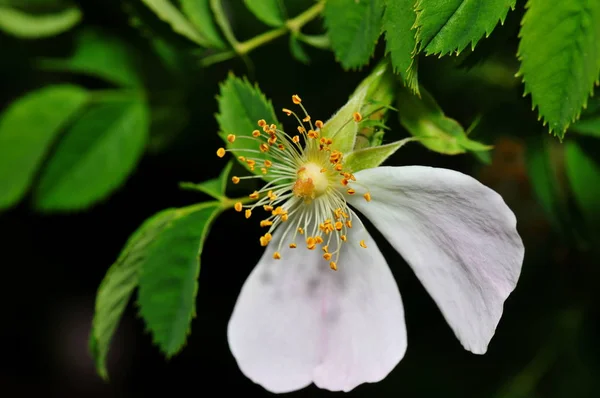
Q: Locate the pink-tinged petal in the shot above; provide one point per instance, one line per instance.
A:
(297, 321)
(459, 237)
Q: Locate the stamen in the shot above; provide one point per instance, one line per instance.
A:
(307, 188)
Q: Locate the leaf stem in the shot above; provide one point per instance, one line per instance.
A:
(291, 25)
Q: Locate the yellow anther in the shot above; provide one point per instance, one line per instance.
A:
(323, 170)
(351, 191)
(327, 256)
(344, 182)
(280, 146)
(277, 256)
(363, 244)
(263, 147)
(325, 249)
(319, 124)
(338, 167)
(357, 117)
(266, 223)
(263, 170)
(296, 139)
(268, 208)
(278, 211)
(265, 239)
(338, 213)
(349, 223)
(241, 158)
(271, 195)
(333, 266)
(367, 197)
(287, 111)
(248, 213)
(262, 123)
(313, 134)
(273, 127)
(339, 225)
(250, 162)
(238, 206)
(272, 140)
(343, 238)
(231, 138)
(268, 163)
(318, 240)
(284, 217)
(253, 195)
(306, 119)
(301, 129)
(310, 242)
(235, 179)
(256, 134)
(221, 152)
(296, 100)
(300, 231)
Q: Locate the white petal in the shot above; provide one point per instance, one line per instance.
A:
(458, 236)
(297, 321)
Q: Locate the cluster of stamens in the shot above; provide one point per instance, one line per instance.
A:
(304, 185)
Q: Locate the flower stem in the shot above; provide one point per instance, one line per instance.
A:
(291, 25)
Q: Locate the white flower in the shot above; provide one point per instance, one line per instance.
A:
(297, 322)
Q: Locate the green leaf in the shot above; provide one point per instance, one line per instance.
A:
(398, 20)
(270, 12)
(168, 278)
(215, 187)
(560, 58)
(28, 128)
(118, 285)
(317, 41)
(99, 54)
(589, 124)
(424, 119)
(583, 172)
(542, 161)
(94, 157)
(241, 106)
(166, 11)
(374, 93)
(198, 11)
(354, 28)
(367, 158)
(298, 51)
(449, 26)
(30, 26)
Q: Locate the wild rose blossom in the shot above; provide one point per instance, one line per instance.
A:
(322, 306)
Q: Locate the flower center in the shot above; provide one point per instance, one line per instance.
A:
(312, 182)
(307, 188)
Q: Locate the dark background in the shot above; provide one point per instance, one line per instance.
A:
(546, 344)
